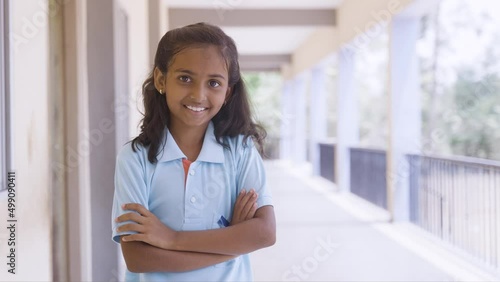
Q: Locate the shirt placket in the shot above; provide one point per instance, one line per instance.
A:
(193, 201)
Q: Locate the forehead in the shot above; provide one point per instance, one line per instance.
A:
(201, 60)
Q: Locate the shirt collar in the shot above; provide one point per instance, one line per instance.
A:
(211, 150)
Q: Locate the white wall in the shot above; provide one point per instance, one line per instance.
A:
(139, 64)
(29, 91)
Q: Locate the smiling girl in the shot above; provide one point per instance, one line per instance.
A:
(191, 199)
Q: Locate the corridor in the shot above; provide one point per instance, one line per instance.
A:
(317, 240)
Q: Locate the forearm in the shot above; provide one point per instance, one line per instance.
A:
(248, 236)
(141, 257)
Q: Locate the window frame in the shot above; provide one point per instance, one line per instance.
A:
(5, 127)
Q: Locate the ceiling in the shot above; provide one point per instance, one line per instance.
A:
(260, 28)
(256, 4)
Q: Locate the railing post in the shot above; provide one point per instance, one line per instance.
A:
(347, 121)
(404, 113)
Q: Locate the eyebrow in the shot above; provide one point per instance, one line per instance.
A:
(193, 73)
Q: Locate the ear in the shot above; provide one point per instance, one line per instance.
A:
(159, 79)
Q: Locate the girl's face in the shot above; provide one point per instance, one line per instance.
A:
(195, 87)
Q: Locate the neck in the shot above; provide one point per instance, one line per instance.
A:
(189, 139)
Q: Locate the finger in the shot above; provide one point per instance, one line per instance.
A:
(248, 196)
(132, 216)
(131, 227)
(249, 204)
(136, 207)
(252, 211)
(134, 237)
(242, 193)
(237, 205)
(242, 210)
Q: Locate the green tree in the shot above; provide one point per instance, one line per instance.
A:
(460, 67)
(473, 128)
(264, 89)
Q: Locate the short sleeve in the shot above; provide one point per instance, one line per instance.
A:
(252, 175)
(130, 185)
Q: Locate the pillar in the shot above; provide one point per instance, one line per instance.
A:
(286, 121)
(299, 147)
(318, 122)
(101, 135)
(404, 112)
(347, 121)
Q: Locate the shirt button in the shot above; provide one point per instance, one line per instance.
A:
(193, 199)
(191, 172)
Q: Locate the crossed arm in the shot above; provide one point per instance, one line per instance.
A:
(156, 247)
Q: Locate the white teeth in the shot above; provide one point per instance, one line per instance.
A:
(196, 109)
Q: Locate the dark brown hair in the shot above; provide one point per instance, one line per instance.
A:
(233, 119)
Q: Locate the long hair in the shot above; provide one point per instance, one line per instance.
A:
(233, 119)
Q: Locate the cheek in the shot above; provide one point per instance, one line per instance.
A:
(170, 101)
(221, 96)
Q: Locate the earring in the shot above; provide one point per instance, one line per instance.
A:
(161, 91)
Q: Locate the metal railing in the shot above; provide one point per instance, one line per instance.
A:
(458, 200)
(368, 175)
(327, 161)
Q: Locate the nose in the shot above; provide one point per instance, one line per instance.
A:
(198, 94)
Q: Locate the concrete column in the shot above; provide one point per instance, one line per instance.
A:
(122, 78)
(101, 135)
(157, 24)
(76, 163)
(299, 148)
(286, 122)
(318, 122)
(347, 121)
(404, 112)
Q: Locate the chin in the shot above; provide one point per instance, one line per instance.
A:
(196, 124)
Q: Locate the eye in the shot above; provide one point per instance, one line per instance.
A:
(184, 78)
(214, 83)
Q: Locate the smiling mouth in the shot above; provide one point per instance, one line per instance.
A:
(196, 109)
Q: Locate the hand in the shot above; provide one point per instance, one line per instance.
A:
(245, 206)
(150, 229)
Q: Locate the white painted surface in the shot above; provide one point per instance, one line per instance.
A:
(286, 121)
(318, 116)
(256, 4)
(139, 64)
(299, 103)
(405, 111)
(347, 119)
(268, 40)
(30, 154)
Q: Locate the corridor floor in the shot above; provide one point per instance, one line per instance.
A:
(318, 240)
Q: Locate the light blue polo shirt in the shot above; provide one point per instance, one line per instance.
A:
(212, 185)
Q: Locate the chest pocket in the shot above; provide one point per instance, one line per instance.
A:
(213, 190)
(194, 225)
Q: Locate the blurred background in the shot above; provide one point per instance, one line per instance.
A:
(383, 121)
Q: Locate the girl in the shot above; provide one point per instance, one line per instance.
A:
(190, 197)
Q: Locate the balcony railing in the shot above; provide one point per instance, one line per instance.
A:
(327, 161)
(368, 177)
(458, 200)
